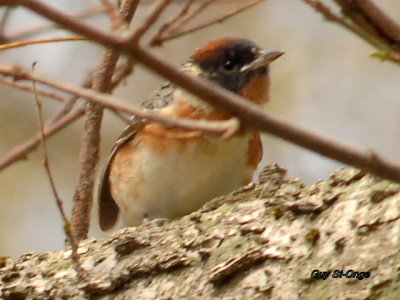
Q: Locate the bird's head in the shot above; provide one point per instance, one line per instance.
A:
(236, 64)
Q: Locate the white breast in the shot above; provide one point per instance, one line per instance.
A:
(179, 179)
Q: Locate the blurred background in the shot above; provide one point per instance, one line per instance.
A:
(326, 82)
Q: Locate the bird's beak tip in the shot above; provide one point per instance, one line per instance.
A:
(264, 59)
(271, 55)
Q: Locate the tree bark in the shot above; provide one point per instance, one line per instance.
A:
(260, 242)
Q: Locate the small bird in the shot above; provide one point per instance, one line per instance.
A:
(162, 172)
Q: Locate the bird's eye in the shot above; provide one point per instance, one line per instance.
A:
(228, 65)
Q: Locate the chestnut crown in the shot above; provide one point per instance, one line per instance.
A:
(226, 60)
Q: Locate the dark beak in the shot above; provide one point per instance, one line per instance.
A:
(264, 59)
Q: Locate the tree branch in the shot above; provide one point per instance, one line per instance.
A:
(113, 103)
(67, 229)
(58, 121)
(168, 24)
(40, 28)
(190, 16)
(155, 13)
(61, 119)
(5, 18)
(113, 14)
(374, 16)
(89, 155)
(40, 41)
(20, 151)
(252, 116)
(29, 89)
(249, 113)
(358, 24)
(175, 32)
(69, 23)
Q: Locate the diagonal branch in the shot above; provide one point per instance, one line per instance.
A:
(62, 118)
(360, 25)
(374, 16)
(20, 151)
(111, 102)
(252, 116)
(249, 114)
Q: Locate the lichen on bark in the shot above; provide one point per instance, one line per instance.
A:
(259, 242)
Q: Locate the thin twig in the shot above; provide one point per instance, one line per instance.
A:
(167, 25)
(122, 71)
(81, 273)
(215, 127)
(62, 118)
(252, 116)
(156, 11)
(70, 23)
(125, 119)
(331, 16)
(194, 13)
(28, 88)
(41, 41)
(86, 83)
(184, 10)
(363, 33)
(247, 112)
(178, 33)
(20, 151)
(38, 29)
(375, 17)
(112, 12)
